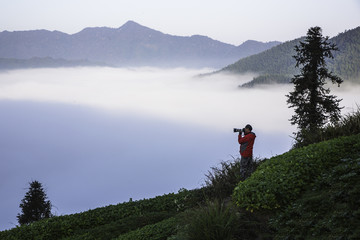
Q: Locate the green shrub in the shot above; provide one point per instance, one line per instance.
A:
(282, 179)
(212, 221)
(221, 181)
(348, 125)
(328, 210)
(115, 228)
(158, 231)
(221, 220)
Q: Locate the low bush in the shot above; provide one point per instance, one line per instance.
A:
(221, 181)
(122, 226)
(328, 210)
(348, 125)
(158, 231)
(221, 220)
(282, 179)
(212, 221)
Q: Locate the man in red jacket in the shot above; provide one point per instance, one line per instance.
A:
(246, 151)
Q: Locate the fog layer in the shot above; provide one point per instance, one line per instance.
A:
(99, 136)
(172, 94)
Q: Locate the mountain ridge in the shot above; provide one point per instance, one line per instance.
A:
(129, 45)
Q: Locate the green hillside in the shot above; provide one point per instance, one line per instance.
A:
(316, 188)
(276, 60)
(311, 192)
(277, 63)
(109, 222)
(346, 62)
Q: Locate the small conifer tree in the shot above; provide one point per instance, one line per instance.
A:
(35, 205)
(313, 104)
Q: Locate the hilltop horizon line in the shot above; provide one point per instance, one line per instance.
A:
(133, 23)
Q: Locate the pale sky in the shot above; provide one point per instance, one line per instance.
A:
(230, 21)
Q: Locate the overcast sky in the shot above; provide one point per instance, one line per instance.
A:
(230, 21)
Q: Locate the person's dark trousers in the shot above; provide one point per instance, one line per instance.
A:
(246, 167)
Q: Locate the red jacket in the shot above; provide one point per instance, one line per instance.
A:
(246, 144)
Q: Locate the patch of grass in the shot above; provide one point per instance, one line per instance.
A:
(212, 221)
(159, 231)
(348, 125)
(328, 210)
(220, 181)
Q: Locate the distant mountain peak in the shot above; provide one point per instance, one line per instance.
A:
(201, 37)
(254, 42)
(131, 25)
(90, 32)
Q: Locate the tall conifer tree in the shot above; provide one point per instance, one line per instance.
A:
(35, 205)
(313, 104)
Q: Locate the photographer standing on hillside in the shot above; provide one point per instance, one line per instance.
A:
(246, 150)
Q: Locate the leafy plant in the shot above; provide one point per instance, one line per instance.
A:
(212, 221)
(158, 231)
(282, 179)
(328, 210)
(115, 228)
(347, 125)
(221, 181)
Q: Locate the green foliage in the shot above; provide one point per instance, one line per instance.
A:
(102, 219)
(282, 179)
(312, 103)
(121, 226)
(35, 205)
(347, 125)
(328, 210)
(221, 181)
(220, 219)
(212, 221)
(267, 79)
(158, 231)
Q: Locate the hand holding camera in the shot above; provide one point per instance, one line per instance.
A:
(245, 130)
(240, 131)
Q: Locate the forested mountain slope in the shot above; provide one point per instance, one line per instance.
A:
(277, 65)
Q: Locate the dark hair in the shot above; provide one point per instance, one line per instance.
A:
(248, 126)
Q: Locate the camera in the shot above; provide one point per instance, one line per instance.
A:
(239, 130)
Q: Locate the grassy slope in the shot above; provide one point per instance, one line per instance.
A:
(282, 179)
(311, 192)
(108, 222)
(329, 209)
(286, 184)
